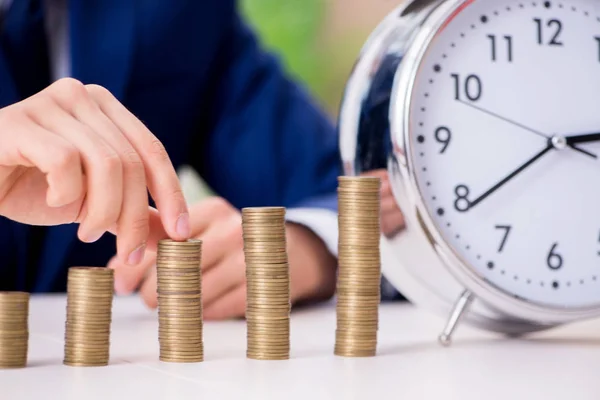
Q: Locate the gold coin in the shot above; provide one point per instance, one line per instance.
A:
(263, 356)
(178, 353)
(71, 363)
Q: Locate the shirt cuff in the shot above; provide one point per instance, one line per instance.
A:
(322, 221)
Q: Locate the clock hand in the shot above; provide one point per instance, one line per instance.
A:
(527, 128)
(497, 186)
(510, 121)
(588, 137)
(560, 142)
(579, 149)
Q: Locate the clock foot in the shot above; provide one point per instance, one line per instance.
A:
(460, 307)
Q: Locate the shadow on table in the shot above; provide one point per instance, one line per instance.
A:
(433, 345)
(54, 362)
(564, 341)
(487, 343)
(50, 362)
(415, 348)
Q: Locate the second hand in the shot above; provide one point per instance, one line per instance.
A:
(571, 145)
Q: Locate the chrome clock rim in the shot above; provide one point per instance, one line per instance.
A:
(402, 92)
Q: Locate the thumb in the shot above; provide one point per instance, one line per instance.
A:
(157, 231)
(128, 278)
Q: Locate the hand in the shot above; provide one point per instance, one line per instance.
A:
(392, 220)
(219, 225)
(73, 154)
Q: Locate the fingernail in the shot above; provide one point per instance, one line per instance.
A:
(94, 237)
(183, 225)
(136, 256)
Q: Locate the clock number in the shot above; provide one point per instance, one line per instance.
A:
(443, 136)
(508, 40)
(554, 260)
(506, 229)
(550, 24)
(461, 203)
(598, 41)
(472, 87)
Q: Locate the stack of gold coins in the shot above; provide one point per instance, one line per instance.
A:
(14, 329)
(268, 283)
(179, 291)
(89, 315)
(359, 267)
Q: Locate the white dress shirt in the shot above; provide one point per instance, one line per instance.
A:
(322, 222)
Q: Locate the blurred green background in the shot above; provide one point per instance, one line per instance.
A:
(317, 40)
(292, 29)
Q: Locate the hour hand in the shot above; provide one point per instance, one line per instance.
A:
(584, 138)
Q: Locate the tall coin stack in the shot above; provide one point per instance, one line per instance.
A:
(180, 301)
(268, 283)
(14, 329)
(89, 315)
(359, 267)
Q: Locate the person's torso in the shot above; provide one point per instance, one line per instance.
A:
(161, 58)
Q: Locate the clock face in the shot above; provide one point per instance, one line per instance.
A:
(499, 112)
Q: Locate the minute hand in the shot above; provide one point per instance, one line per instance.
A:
(588, 137)
(527, 128)
(497, 186)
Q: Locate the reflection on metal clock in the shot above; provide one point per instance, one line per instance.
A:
(485, 114)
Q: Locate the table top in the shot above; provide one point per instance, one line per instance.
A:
(557, 364)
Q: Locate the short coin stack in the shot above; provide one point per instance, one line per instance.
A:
(179, 291)
(359, 271)
(14, 329)
(89, 315)
(268, 283)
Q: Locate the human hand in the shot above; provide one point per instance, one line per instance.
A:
(219, 225)
(392, 220)
(73, 154)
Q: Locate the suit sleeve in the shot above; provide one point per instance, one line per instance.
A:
(265, 141)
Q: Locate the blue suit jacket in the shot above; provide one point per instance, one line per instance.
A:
(193, 73)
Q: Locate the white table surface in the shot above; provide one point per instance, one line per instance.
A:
(560, 364)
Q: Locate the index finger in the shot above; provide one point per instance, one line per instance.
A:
(203, 215)
(157, 231)
(163, 183)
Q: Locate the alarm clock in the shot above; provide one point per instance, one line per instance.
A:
(486, 115)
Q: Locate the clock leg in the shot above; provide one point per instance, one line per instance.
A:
(460, 307)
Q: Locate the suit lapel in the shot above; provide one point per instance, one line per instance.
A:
(101, 46)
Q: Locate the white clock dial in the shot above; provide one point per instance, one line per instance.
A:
(496, 85)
